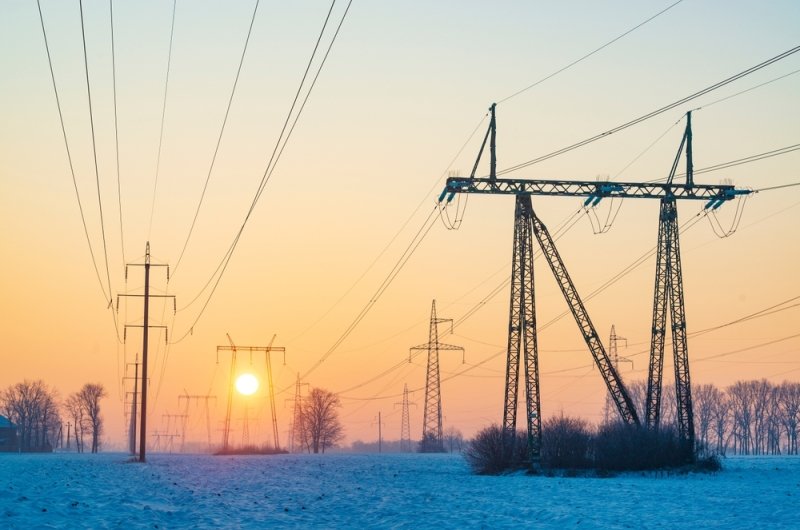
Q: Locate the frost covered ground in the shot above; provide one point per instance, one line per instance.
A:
(379, 491)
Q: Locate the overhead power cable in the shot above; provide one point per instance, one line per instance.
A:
(106, 295)
(738, 162)
(652, 114)
(409, 251)
(220, 270)
(116, 129)
(94, 151)
(607, 44)
(219, 138)
(163, 115)
(791, 185)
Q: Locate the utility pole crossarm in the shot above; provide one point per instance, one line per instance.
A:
(595, 191)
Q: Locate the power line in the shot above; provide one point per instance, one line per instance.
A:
(738, 162)
(219, 138)
(652, 114)
(107, 297)
(573, 63)
(395, 236)
(745, 91)
(94, 149)
(116, 131)
(778, 187)
(163, 114)
(220, 271)
(409, 251)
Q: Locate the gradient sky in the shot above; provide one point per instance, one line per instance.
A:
(403, 88)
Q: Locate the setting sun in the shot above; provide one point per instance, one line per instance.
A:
(246, 384)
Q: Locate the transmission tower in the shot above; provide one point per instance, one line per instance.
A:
(432, 414)
(145, 336)
(267, 350)
(669, 284)
(405, 422)
(613, 349)
(295, 434)
(197, 398)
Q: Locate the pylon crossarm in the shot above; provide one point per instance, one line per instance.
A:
(614, 383)
(593, 190)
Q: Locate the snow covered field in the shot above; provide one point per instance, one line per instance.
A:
(379, 491)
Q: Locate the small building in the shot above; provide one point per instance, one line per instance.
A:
(8, 435)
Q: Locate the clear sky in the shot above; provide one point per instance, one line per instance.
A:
(404, 86)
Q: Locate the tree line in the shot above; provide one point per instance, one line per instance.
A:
(754, 417)
(38, 414)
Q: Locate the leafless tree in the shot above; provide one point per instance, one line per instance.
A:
(75, 411)
(89, 398)
(789, 405)
(742, 414)
(703, 397)
(453, 439)
(321, 426)
(32, 406)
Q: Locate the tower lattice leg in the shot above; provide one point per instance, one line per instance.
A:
(522, 335)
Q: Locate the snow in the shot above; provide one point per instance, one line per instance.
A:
(379, 491)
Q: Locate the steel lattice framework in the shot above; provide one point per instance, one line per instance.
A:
(522, 333)
(432, 440)
(668, 285)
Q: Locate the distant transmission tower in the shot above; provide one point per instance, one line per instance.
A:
(295, 435)
(613, 341)
(613, 353)
(405, 423)
(432, 416)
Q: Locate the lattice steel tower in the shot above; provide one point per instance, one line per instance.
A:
(432, 414)
(405, 424)
(668, 285)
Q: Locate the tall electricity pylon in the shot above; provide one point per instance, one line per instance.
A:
(669, 284)
(267, 350)
(405, 422)
(197, 398)
(613, 349)
(432, 415)
(296, 435)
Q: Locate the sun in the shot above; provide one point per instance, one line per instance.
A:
(246, 384)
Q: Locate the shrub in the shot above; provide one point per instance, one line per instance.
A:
(486, 454)
(566, 443)
(620, 447)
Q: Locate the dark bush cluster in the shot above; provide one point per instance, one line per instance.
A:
(487, 455)
(570, 444)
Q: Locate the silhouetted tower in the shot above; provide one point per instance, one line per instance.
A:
(613, 349)
(613, 353)
(296, 434)
(197, 399)
(405, 423)
(668, 288)
(432, 414)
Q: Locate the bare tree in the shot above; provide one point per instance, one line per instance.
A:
(703, 397)
(742, 414)
(453, 439)
(32, 406)
(75, 411)
(789, 404)
(321, 426)
(89, 398)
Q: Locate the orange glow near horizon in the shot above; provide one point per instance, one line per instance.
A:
(398, 97)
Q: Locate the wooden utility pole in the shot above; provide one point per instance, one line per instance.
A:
(145, 335)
